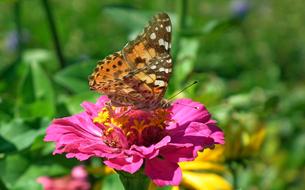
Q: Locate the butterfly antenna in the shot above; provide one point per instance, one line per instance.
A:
(195, 107)
(188, 86)
(183, 89)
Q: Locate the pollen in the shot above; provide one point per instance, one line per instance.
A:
(109, 130)
(102, 117)
(107, 117)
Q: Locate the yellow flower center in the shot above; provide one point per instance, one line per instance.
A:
(137, 127)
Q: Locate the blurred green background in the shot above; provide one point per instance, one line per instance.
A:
(248, 57)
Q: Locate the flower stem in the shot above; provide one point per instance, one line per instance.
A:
(136, 181)
(182, 12)
(17, 13)
(233, 168)
(53, 29)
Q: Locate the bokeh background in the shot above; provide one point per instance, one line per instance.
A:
(248, 56)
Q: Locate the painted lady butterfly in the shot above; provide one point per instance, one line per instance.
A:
(138, 75)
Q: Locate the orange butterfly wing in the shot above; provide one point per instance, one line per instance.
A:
(138, 75)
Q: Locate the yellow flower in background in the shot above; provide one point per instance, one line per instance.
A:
(245, 137)
(205, 172)
(253, 143)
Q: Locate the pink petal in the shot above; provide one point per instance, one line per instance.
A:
(78, 136)
(101, 150)
(199, 134)
(163, 172)
(78, 124)
(143, 151)
(163, 142)
(101, 101)
(129, 164)
(79, 172)
(45, 181)
(93, 109)
(190, 139)
(217, 134)
(179, 152)
(184, 112)
(79, 156)
(151, 151)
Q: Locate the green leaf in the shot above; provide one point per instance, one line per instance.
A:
(165, 188)
(185, 60)
(39, 144)
(2, 185)
(17, 172)
(29, 177)
(16, 136)
(135, 181)
(135, 18)
(9, 172)
(6, 146)
(210, 91)
(112, 182)
(75, 77)
(43, 90)
(43, 57)
(36, 96)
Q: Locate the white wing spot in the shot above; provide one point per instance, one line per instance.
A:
(161, 42)
(161, 25)
(169, 60)
(153, 36)
(161, 69)
(159, 83)
(166, 45)
(168, 28)
(153, 67)
(156, 28)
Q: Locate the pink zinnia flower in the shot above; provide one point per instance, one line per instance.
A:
(76, 181)
(129, 139)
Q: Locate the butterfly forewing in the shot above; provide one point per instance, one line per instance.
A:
(138, 75)
(155, 40)
(108, 72)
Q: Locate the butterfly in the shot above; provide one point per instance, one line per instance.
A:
(138, 75)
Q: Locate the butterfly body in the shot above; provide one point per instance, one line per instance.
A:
(138, 75)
